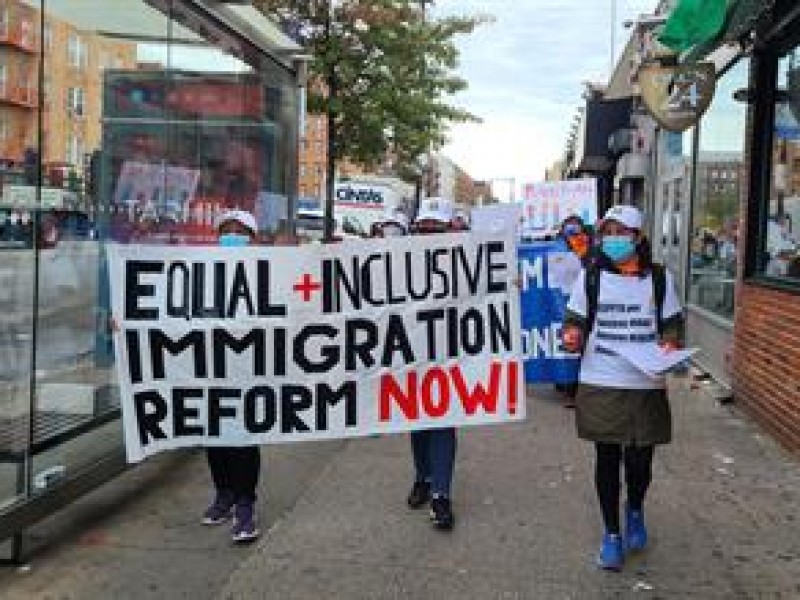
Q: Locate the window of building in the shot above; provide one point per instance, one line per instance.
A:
(3, 79)
(5, 128)
(47, 92)
(4, 21)
(77, 51)
(74, 150)
(715, 214)
(76, 98)
(48, 36)
(777, 248)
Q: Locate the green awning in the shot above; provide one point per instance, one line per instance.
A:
(742, 17)
(693, 22)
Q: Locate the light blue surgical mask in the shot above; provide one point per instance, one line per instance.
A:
(618, 248)
(234, 240)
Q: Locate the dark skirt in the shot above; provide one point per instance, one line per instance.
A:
(623, 416)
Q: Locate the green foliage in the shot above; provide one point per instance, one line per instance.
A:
(389, 72)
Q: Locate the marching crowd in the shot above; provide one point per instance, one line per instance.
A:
(624, 413)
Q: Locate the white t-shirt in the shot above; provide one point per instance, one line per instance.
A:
(626, 313)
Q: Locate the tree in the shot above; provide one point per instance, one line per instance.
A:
(381, 72)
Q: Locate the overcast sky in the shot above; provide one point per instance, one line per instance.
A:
(525, 72)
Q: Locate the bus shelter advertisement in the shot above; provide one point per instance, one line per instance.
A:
(220, 346)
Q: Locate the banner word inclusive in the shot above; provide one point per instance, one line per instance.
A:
(240, 346)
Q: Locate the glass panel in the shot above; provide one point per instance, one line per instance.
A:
(151, 133)
(674, 178)
(715, 215)
(19, 56)
(75, 400)
(780, 249)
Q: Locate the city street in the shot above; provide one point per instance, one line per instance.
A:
(721, 513)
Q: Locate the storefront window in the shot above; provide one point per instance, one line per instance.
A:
(780, 242)
(716, 203)
(672, 194)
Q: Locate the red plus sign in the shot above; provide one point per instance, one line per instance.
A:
(307, 287)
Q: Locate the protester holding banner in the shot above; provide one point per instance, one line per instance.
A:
(620, 300)
(235, 470)
(578, 238)
(434, 450)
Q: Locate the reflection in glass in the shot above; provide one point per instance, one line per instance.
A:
(144, 132)
(715, 215)
(781, 244)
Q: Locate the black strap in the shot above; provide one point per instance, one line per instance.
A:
(659, 276)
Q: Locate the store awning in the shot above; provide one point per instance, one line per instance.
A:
(743, 16)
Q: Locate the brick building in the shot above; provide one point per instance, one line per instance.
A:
(73, 79)
(766, 353)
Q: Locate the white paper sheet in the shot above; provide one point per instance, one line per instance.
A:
(650, 359)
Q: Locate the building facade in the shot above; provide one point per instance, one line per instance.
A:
(73, 76)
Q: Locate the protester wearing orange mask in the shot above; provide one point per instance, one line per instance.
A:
(578, 238)
(576, 235)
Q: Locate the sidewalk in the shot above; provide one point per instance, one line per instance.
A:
(723, 515)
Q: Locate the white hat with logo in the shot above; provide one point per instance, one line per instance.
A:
(629, 216)
(240, 216)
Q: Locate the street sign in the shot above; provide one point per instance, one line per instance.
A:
(677, 96)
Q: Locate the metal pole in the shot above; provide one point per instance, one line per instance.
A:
(613, 39)
(330, 180)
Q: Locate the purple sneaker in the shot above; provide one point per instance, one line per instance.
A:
(244, 527)
(220, 510)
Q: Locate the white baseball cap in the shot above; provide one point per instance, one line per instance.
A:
(630, 216)
(240, 216)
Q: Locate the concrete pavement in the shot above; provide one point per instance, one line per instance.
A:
(723, 516)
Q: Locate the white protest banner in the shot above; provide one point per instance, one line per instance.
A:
(546, 204)
(239, 346)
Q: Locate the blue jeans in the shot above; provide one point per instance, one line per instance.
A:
(434, 453)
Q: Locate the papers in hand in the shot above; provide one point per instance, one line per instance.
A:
(650, 359)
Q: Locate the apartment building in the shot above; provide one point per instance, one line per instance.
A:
(72, 85)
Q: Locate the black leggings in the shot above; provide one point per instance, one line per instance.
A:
(235, 469)
(638, 462)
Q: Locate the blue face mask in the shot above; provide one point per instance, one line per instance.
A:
(234, 240)
(618, 248)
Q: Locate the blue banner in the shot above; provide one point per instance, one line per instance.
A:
(547, 271)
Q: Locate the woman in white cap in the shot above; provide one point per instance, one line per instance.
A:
(622, 298)
(235, 470)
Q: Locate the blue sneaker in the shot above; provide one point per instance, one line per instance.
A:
(220, 510)
(612, 554)
(635, 530)
(244, 527)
